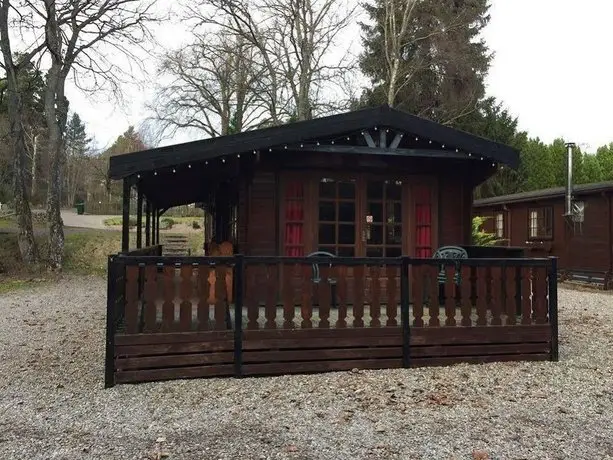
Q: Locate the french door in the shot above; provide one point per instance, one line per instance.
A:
(358, 216)
(361, 217)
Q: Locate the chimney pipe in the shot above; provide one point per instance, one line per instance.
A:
(569, 184)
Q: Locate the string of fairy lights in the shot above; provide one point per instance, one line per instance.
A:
(338, 141)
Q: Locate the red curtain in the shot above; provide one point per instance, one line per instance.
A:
(423, 222)
(294, 219)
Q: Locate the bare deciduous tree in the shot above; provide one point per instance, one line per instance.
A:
(78, 36)
(290, 70)
(213, 87)
(12, 69)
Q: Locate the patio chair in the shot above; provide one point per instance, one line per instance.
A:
(317, 278)
(450, 252)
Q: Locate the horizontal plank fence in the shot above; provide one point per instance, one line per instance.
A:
(181, 317)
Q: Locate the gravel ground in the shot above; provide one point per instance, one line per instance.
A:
(53, 404)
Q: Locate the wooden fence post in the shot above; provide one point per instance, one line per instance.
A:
(239, 284)
(553, 307)
(404, 312)
(111, 299)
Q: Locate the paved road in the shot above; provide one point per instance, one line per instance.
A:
(72, 219)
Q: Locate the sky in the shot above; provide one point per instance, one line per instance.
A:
(552, 68)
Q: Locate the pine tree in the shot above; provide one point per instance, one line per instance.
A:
(441, 62)
(77, 145)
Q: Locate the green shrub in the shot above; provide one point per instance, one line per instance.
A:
(480, 236)
(166, 223)
(195, 224)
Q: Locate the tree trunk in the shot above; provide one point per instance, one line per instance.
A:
(25, 235)
(34, 189)
(54, 116)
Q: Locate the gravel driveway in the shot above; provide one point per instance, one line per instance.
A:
(53, 405)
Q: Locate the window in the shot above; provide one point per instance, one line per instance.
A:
(499, 225)
(540, 223)
(336, 217)
(423, 222)
(294, 219)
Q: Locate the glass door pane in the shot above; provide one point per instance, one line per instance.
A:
(337, 217)
(383, 220)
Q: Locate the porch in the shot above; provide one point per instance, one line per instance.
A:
(246, 315)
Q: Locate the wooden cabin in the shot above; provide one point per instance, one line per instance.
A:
(537, 221)
(370, 183)
(373, 193)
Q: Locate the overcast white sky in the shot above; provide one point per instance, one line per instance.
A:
(552, 68)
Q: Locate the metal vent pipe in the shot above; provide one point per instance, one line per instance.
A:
(569, 178)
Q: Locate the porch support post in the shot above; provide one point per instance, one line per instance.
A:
(147, 223)
(154, 213)
(157, 226)
(553, 307)
(139, 218)
(125, 222)
(404, 312)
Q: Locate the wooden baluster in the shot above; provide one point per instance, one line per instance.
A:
(510, 295)
(306, 308)
(450, 291)
(185, 311)
(433, 295)
(467, 299)
(481, 282)
(341, 280)
(131, 312)
(391, 309)
(220, 298)
(375, 296)
(496, 298)
(203, 297)
(272, 284)
(358, 304)
(253, 298)
(539, 289)
(168, 308)
(150, 298)
(325, 297)
(526, 294)
(288, 296)
(417, 289)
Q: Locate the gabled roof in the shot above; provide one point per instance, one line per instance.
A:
(546, 193)
(303, 131)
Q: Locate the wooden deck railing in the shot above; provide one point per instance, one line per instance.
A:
(240, 298)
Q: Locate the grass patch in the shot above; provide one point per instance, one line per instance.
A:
(85, 253)
(117, 221)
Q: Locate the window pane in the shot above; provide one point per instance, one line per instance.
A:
(394, 190)
(346, 211)
(376, 234)
(346, 190)
(346, 234)
(374, 190)
(393, 213)
(374, 252)
(327, 188)
(393, 252)
(327, 234)
(376, 211)
(327, 211)
(346, 252)
(330, 249)
(394, 234)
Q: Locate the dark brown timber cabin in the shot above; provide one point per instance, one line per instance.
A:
(378, 189)
(538, 221)
(370, 183)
